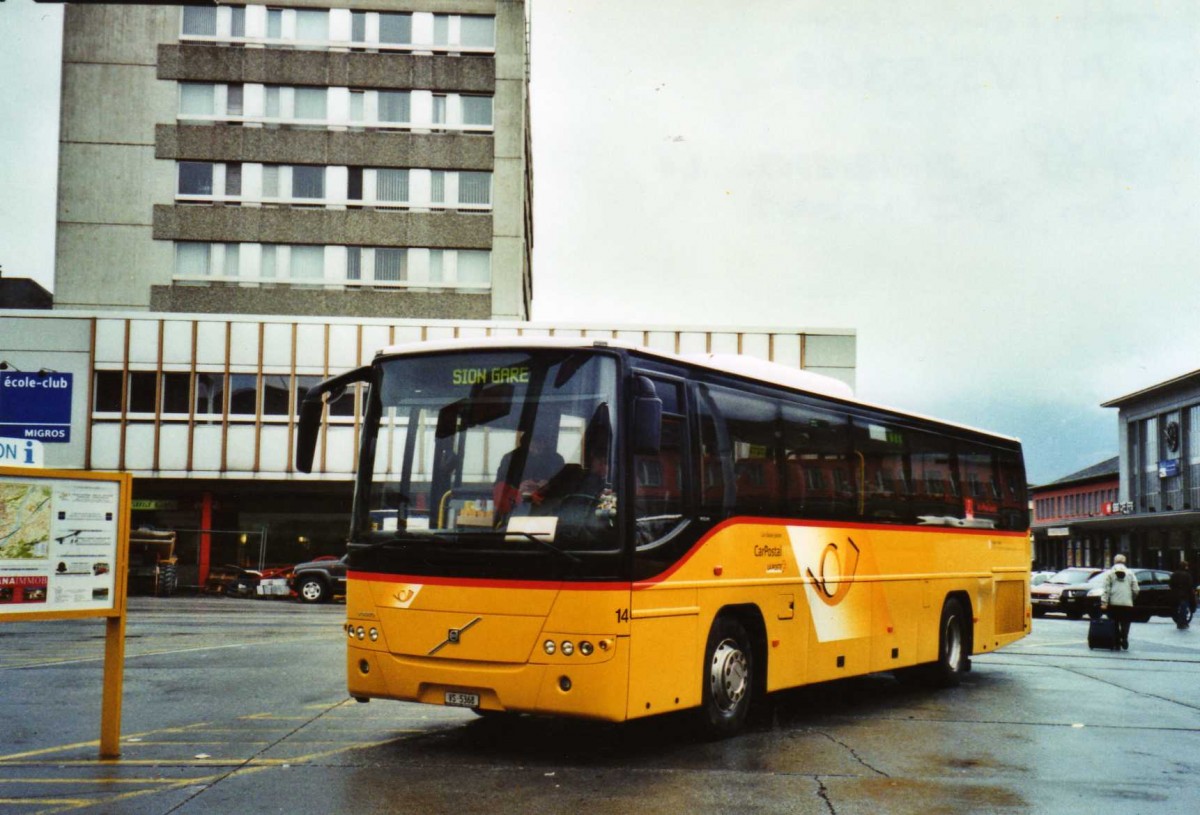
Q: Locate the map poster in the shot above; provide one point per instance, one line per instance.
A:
(59, 542)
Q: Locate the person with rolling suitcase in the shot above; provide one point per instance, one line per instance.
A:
(1119, 592)
(1183, 589)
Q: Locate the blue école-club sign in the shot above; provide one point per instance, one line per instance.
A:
(36, 406)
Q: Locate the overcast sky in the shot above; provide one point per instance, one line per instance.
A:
(1000, 198)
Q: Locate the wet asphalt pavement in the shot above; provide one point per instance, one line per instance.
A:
(239, 705)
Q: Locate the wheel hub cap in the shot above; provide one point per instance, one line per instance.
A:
(727, 675)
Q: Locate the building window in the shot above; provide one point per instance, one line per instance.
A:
(312, 26)
(307, 263)
(475, 188)
(474, 267)
(311, 103)
(191, 259)
(274, 24)
(276, 395)
(210, 394)
(391, 265)
(235, 99)
(107, 398)
(273, 103)
(200, 21)
(237, 21)
(477, 110)
(441, 29)
(233, 179)
(358, 26)
(395, 106)
(195, 178)
(197, 98)
(395, 29)
(391, 185)
(308, 182)
(143, 391)
(353, 263)
(478, 31)
(437, 263)
(243, 394)
(354, 183)
(176, 393)
(438, 187)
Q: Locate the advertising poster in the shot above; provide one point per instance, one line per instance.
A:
(58, 544)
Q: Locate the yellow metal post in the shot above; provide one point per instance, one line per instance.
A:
(114, 678)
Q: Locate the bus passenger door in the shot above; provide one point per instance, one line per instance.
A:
(663, 619)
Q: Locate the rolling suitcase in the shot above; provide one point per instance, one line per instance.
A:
(1102, 633)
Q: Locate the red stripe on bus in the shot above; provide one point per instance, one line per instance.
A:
(559, 585)
(487, 583)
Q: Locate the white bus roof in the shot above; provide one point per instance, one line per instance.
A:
(773, 373)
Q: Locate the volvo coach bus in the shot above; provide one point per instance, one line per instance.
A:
(584, 528)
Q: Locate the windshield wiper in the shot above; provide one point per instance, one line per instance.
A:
(529, 536)
(399, 538)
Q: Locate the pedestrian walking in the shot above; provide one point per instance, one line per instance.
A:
(1120, 590)
(1183, 587)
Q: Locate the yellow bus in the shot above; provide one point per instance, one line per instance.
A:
(585, 528)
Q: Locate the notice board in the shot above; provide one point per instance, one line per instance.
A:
(63, 541)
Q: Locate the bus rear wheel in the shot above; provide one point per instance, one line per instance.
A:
(728, 678)
(953, 645)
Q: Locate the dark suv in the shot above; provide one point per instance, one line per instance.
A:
(1155, 598)
(319, 580)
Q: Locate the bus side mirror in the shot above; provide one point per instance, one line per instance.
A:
(647, 419)
(312, 408)
(306, 432)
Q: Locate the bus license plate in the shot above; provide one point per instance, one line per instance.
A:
(456, 699)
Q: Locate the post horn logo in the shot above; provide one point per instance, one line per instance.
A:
(836, 571)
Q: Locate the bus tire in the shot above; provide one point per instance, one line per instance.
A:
(312, 590)
(728, 680)
(954, 647)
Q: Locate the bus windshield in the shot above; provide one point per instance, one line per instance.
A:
(496, 464)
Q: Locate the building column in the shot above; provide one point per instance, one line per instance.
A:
(206, 508)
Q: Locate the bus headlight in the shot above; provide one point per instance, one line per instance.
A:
(585, 648)
(373, 634)
(549, 647)
(567, 648)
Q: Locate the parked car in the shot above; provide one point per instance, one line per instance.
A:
(1049, 596)
(1155, 598)
(317, 581)
(1038, 578)
(232, 580)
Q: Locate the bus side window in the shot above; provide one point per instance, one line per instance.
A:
(879, 449)
(934, 476)
(745, 427)
(821, 479)
(1014, 509)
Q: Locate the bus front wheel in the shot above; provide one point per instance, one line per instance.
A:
(728, 678)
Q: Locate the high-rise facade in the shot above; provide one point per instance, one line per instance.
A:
(305, 158)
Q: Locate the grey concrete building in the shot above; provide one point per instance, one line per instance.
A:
(311, 157)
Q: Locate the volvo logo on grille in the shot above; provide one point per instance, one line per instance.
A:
(453, 636)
